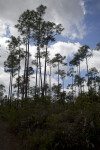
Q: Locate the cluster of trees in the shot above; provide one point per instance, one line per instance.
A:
(92, 76)
(35, 30)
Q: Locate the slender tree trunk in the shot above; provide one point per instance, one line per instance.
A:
(50, 77)
(79, 69)
(36, 72)
(40, 80)
(11, 79)
(18, 73)
(83, 87)
(28, 76)
(11, 82)
(25, 76)
(95, 82)
(58, 80)
(10, 91)
(63, 84)
(79, 83)
(58, 73)
(72, 86)
(18, 83)
(87, 72)
(40, 69)
(24, 81)
(45, 70)
(50, 80)
(27, 71)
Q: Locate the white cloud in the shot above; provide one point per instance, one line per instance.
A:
(93, 61)
(2, 28)
(4, 78)
(64, 48)
(82, 3)
(70, 13)
(3, 50)
(13, 30)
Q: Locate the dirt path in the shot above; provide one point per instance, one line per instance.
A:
(7, 141)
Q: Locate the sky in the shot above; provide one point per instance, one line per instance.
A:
(80, 19)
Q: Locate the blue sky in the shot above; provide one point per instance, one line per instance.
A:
(92, 23)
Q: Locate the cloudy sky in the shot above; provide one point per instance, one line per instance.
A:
(80, 19)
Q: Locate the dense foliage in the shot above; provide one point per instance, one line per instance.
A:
(42, 125)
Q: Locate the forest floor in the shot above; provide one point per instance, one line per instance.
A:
(7, 140)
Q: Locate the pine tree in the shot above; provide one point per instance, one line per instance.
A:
(24, 27)
(58, 60)
(11, 64)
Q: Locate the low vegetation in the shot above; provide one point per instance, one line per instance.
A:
(44, 125)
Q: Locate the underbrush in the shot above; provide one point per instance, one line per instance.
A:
(42, 125)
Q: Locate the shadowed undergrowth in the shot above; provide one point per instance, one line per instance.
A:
(42, 125)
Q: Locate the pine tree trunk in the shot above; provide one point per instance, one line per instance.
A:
(36, 72)
(40, 69)
(25, 76)
(10, 91)
(28, 71)
(45, 71)
(87, 72)
(50, 80)
(58, 80)
(18, 73)
(63, 84)
(72, 86)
